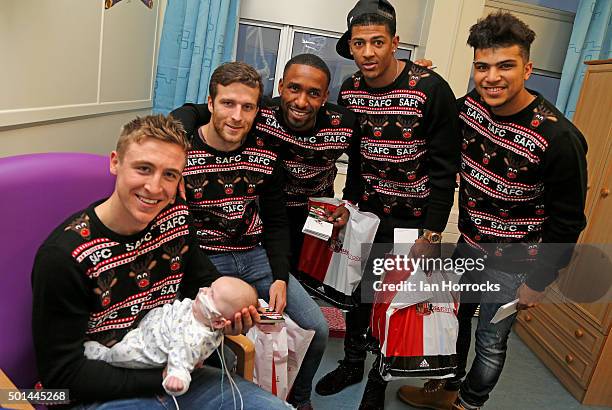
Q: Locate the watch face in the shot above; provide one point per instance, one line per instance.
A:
(433, 237)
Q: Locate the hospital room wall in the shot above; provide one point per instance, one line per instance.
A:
(78, 72)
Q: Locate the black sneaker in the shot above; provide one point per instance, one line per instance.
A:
(346, 374)
(373, 395)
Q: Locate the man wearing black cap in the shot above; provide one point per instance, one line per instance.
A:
(409, 159)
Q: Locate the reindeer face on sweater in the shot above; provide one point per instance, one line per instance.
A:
(415, 209)
(367, 194)
(228, 181)
(515, 164)
(81, 226)
(335, 118)
(230, 227)
(472, 197)
(410, 170)
(488, 151)
(540, 114)
(252, 179)
(173, 254)
(105, 282)
(407, 125)
(503, 210)
(141, 272)
(196, 184)
(383, 171)
(389, 202)
(532, 248)
(469, 137)
(378, 124)
(501, 247)
(415, 75)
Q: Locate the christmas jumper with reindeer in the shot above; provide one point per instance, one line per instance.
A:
(523, 183)
(409, 147)
(308, 158)
(90, 283)
(237, 201)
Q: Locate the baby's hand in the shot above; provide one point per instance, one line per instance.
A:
(173, 384)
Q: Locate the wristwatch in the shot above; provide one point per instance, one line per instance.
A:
(431, 236)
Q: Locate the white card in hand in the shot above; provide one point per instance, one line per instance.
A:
(403, 239)
(505, 311)
(318, 228)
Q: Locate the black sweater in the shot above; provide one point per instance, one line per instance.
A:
(523, 181)
(90, 283)
(237, 201)
(309, 157)
(409, 146)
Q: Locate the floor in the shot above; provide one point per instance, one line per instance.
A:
(525, 384)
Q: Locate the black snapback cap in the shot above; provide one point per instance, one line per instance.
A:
(381, 7)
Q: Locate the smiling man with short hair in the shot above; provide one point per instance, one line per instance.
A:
(409, 156)
(309, 134)
(105, 267)
(521, 204)
(243, 165)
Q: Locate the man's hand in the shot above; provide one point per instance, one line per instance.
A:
(339, 217)
(424, 62)
(422, 249)
(528, 297)
(278, 295)
(242, 322)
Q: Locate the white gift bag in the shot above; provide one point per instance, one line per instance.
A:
(345, 267)
(279, 352)
(271, 356)
(298, 342)
(337, 264)
(416, 339)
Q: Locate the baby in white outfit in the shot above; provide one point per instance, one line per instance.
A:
(179, 335)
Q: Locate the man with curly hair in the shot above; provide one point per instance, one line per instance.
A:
(521, 204)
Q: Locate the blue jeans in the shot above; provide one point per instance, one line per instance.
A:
(491, 339)
(205, 392)
(253, 267)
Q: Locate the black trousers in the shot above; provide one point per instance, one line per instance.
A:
(297, 217)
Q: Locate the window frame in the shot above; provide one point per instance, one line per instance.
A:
(287, 36)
